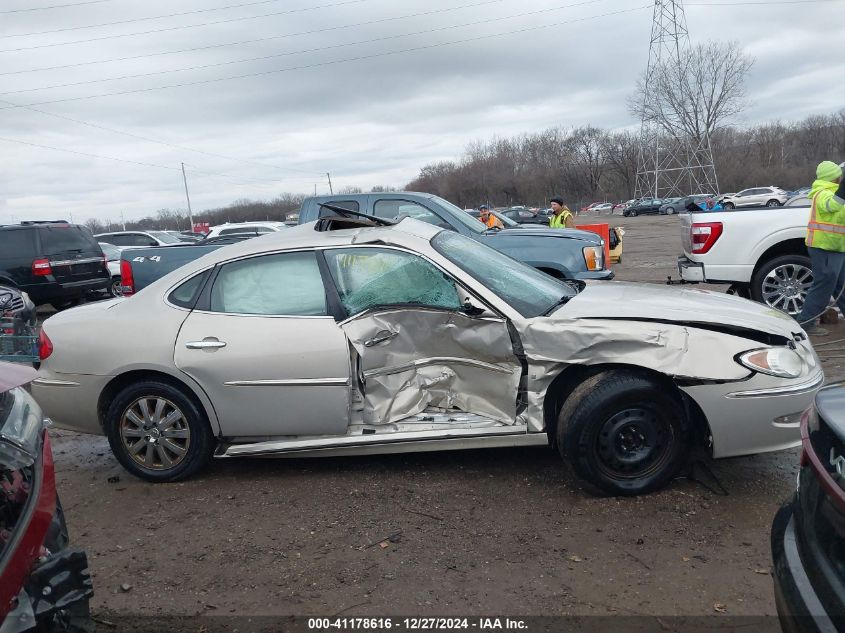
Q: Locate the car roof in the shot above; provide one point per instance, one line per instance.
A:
(406, 232)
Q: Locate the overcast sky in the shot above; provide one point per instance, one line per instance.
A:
(480, 68)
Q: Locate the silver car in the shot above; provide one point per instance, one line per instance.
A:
(756, 197)
(342, 337)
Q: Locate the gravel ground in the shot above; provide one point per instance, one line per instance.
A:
(506, 531)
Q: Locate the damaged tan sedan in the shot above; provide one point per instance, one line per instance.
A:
(353, 335)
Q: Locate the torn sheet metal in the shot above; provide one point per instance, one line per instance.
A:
(412, 359)
(674, 350)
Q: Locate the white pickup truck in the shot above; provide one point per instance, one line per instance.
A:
(760, 252)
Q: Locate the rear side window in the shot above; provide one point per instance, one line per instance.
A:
(17, 243)
(67, 239)
(186, 294)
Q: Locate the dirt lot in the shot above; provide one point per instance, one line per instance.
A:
(485, 532)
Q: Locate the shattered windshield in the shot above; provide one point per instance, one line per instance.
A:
(529, 291)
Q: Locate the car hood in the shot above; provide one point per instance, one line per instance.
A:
(540, 232)
(651, 302)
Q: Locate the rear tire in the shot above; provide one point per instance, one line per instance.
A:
(115, 288)
(623, 433)
(169, 442)
(783, 282)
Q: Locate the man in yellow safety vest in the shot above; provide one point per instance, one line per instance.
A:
(826, 246)
(562, 218)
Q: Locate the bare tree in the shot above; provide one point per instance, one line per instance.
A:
(698, 96)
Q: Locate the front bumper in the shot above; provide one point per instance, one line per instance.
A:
(758, 415)
(605, 275)
(799, 608)
(55, 596)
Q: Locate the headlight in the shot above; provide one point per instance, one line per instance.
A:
(594, 257)
(774, 361)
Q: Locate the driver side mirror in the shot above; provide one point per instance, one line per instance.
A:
(470, 309)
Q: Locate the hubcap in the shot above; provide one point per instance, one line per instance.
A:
(786, 286)
(155, 433)
(116, 289)
(633, 443)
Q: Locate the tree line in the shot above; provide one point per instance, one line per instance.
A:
(589, 164)
(583, 164)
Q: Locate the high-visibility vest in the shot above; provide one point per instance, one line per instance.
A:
(824, 235)
(559, 221)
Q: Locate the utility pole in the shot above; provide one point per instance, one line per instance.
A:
(122, 221)
(329, 176)
(315, 188)
(670, 165)
(190, 213)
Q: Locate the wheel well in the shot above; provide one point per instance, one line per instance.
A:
(573, 375)
(118, 383)
(551, 271)
(787, 247)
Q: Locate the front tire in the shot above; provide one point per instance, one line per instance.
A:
(670, 211)
(783, 282)
(773, 203)
(729, 205)
(633, 213)
(157, 433)
(623, 433)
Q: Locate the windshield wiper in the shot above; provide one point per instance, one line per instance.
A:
(562, 301)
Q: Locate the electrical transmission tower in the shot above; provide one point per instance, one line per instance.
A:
(671, 162)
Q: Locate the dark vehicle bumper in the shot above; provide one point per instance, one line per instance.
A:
(65, 291)
(799, 608)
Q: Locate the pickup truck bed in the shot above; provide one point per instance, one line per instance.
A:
(760, 252)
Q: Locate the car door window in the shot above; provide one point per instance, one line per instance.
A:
(397, 209)
(371, 277)
(285, 284)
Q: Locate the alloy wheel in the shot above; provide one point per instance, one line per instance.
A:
(785, 287)
(155, 433)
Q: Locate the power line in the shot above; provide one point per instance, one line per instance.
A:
(141, 163)
(309, 50)
(256, 40)
(182, 27)
(55, 6)
(170, 15)
(330, 63)
(161, 142)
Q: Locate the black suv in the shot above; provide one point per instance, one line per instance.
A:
(53, 262)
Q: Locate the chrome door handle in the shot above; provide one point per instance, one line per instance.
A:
(381, 337)
(205, 344)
